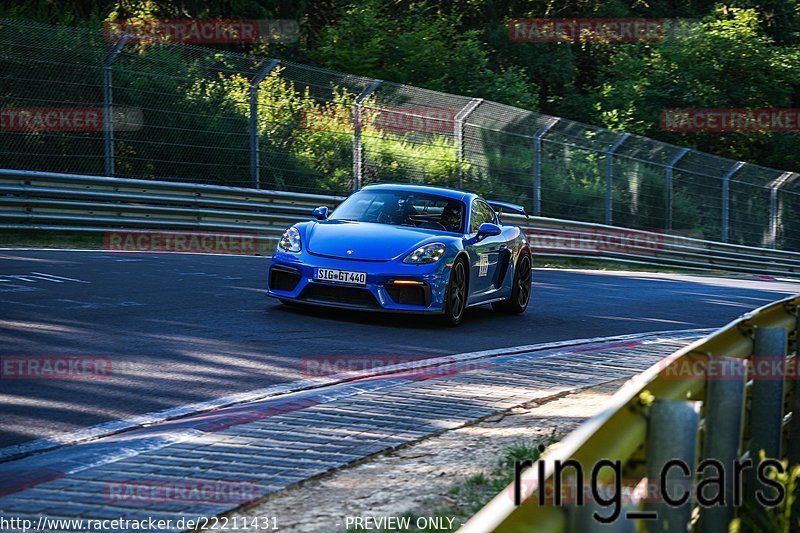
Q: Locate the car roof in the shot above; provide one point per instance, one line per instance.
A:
(454, 194)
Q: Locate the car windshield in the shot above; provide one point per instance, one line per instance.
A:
(403, 208)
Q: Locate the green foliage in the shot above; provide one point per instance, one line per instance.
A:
(744, 54)
(782, 518)
(427, 48)
(726, 62)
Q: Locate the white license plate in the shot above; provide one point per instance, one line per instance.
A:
(341, 276)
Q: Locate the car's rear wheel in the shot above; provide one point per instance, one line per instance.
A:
(456, 294)
(521, 290)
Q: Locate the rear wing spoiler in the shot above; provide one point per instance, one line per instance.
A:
(502, 207)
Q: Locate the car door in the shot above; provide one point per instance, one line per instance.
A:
(484, 253)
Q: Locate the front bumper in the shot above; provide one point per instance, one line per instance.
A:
(291, 277)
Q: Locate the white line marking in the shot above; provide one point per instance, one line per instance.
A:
(56, 278)
(18, 277)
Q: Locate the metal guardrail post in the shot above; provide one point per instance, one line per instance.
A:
(537, 166)
(458, 133)
(610, 176)
(793, 440)
(582, 520)
(255, 174)
(724, 412)
(669, 186)
(358, 160)
(766, 402)
(726, 198)
(108, 102)
(671, 444)
(774, 187)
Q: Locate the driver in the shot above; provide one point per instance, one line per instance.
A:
(451, 217)
(390, 211)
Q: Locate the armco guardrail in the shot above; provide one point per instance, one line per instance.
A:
(704, 398)
(52, 201)
(566, 238)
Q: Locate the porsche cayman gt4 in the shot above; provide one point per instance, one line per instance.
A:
(406, 249)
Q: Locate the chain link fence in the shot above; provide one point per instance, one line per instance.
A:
(79, 101)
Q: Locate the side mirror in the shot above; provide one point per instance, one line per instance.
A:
(487, 229)
(320, 213)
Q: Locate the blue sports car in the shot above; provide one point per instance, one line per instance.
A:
(405, 248)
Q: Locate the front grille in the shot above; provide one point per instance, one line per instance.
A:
(409, 294)
(283, 279)
(338, 295)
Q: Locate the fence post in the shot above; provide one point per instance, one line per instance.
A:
(774, 186)
(108, 102)
(726, 198)
(358, 162)
(766, 402)
(460, 117)
(255, 174)
(724, 411)
(671, 436)
(669, 186)
(537, 166)
(610, 177)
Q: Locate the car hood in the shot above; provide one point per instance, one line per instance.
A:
(366, 241)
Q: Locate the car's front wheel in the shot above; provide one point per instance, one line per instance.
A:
(521, 291)
(456, 295)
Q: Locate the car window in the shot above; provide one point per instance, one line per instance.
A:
(403, 208)
(481, 212)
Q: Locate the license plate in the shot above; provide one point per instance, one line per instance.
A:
(341, 276)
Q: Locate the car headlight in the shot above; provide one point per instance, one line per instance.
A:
(429, 253)
(290, 240)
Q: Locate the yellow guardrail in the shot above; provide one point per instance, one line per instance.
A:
(687, 403)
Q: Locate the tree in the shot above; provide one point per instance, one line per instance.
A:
(426, 48)
(726, 62)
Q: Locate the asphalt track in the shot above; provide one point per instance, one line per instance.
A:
(186, 328)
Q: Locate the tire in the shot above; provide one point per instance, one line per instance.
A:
(456, 294)
(520, 291)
